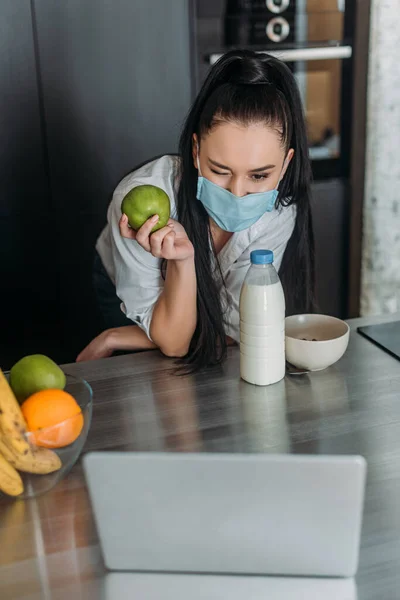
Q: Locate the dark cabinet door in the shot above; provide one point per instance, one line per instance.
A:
(23, 182)
(116, 85)
(28, 282)
(116, 88)
(330, 214)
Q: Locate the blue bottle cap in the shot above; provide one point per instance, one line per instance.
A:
(262, 257)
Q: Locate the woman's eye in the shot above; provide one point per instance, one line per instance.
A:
(259, 176)
(218, 172)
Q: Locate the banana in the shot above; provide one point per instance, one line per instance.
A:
(40, 461)
(14, 445)
(10, 480)
(12, 422)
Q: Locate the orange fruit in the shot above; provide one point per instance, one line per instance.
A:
(53, 417)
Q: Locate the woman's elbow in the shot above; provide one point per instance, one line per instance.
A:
(174, 352)
(168, 344)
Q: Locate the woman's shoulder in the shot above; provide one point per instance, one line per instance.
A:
(161, 172)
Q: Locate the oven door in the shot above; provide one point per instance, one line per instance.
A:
(322, 74)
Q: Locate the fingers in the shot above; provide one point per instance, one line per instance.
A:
(125, 230)
(162, 241)
(168, 246)
(157, 243)
(143, 234)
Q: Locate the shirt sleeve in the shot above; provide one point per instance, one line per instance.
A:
(273, 237)
(138, 278)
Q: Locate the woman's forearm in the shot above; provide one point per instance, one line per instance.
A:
(130, 337)
(175, 314)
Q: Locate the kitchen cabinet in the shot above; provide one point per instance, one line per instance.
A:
(28, 253)
(24, 184)
(116, 85)
(89, 91)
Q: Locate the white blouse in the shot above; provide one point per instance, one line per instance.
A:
(137, 273)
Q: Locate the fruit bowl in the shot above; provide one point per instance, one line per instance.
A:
(38, 484)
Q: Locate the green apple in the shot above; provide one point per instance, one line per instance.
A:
(34, 373)
(144, 201)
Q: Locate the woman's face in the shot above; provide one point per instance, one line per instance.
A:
(242, 158)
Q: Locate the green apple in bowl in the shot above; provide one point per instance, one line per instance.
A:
(34, 373)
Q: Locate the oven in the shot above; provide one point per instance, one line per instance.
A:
(314, 38)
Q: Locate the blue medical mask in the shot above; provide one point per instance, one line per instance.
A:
(233, 213)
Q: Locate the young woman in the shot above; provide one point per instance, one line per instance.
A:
(241, 181)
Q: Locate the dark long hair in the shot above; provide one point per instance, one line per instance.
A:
(246, 87)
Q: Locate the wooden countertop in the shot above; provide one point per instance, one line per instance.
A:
(49, 547)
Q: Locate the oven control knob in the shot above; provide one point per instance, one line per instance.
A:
(277, 6)
(277, 29)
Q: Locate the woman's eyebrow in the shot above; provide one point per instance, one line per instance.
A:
(266, 168)
(217, 164)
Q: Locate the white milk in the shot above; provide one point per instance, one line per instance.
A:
(262, 305)
(262, 327)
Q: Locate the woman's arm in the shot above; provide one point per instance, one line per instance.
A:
(171, 320)
(130, 337)
(174, 315)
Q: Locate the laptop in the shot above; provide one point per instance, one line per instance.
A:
(250, 514)
(161, 586)
(386, 336)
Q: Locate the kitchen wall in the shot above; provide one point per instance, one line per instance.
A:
(381, 246)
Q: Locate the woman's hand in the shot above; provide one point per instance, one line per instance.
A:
(170, 242)
(98, 348)
(129, 337)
